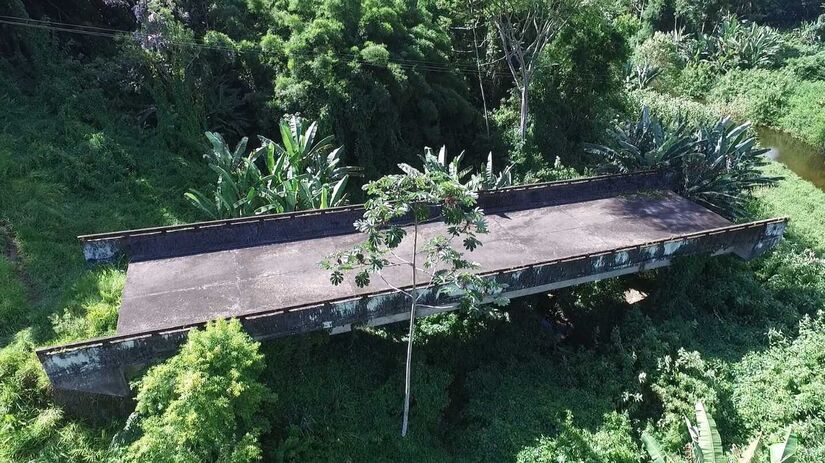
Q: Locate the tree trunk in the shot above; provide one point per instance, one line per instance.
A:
(414, 297)
(480, 81)
(522, 128)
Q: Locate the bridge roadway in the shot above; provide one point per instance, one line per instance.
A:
(165, 293)
(265, 271)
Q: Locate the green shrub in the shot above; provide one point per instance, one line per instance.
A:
(13, 303)
(797, 199)
(660, 52)
(91, 310)
(671, 109)
(32, 428)
(758, 95)
(205, 403)
(784, 387)
(680, 382)
(696, 80)
(612, 442)
(808, 67)
(805, 113)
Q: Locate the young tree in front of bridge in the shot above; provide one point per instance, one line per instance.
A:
(439, 272)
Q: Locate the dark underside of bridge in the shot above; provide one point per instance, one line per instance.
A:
(265, 270)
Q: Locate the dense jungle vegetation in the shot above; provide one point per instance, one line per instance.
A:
(104, 109)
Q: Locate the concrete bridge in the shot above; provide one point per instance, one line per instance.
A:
(264, 270)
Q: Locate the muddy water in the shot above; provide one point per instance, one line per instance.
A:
(803, 159)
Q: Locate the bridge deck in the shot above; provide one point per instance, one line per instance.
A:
(264, 269)
(177, 291)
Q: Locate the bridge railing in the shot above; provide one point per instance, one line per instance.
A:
(217, 235)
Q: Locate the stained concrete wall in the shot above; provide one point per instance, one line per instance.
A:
(175, 241)
(98, 366)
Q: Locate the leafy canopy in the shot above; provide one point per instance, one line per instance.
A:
(706, 444)
(411, 199)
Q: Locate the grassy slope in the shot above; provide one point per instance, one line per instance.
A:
(799, 200)
(66, 168)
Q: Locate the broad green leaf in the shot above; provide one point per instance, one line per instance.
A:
(750, 453)
(708, 438)
(657, 455)
(785, 452)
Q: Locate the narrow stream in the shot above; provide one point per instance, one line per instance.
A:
(803, 159)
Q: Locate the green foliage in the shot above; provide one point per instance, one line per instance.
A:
(32, 428)
(737, 45)
(775, 98)
(91, 310)
(92, 137)
(488, 179)
(674, 110)
(484, 179)
(724, 168)
(779, 388)
(718, 166)
(203, 404)
(438, 195)
(576, 90)
(14, 302)
(644, 144)
(379, 74)
(808, 67)
(696, 80)
(411, 198)
(797, 199)
(706, 444)
(805, 115)
(611, 443)
(300, 174)
(661, 53)
(639, 77)
(759, 95)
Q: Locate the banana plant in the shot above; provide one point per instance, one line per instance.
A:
(303, 154)
(706, 444)
(299, 174)
(485, 179)
(235, 192)
(433, 163)
(221, 155)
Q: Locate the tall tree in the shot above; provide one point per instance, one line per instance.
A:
(525, 27)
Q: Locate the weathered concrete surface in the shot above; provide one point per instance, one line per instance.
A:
(264, 270)
(165, 293)
(98, 366)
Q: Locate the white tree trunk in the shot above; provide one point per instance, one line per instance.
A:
(408, 374)
(522, 127)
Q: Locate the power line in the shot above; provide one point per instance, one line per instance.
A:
(406, 63)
